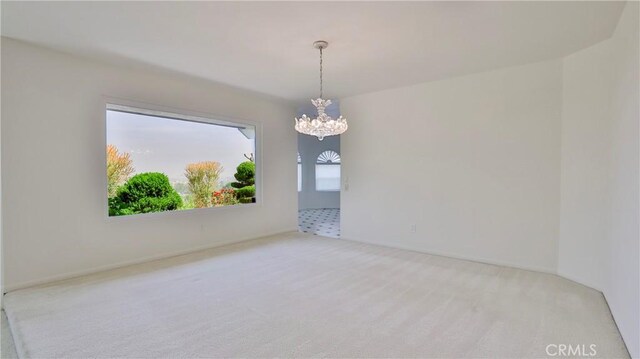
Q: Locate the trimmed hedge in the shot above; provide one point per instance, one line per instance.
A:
(245, 175)
(246, 192)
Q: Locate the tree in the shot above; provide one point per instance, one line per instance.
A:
(246, 179)
(245, 175)
(203, 178)
(145, 193)
(119, 169)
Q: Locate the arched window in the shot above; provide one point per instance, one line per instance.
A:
(328, 171)
(299, 173)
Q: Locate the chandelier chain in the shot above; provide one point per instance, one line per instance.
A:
(321, 72)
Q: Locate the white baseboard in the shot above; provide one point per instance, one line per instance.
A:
(459, 256)
(487, 261)
(579, 281)
(73, 274)
(93, 270)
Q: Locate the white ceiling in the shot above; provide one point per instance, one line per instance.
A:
(266, 46)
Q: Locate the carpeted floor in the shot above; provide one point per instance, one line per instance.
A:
(7, 348)
(308, 296)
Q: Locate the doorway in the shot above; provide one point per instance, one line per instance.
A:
(319, 171)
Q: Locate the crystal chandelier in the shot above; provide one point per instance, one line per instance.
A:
(323, 125)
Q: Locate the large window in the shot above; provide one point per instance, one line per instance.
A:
(328, 171)
(299, 173)
(158, 161)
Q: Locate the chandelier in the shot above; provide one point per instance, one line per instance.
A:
(323, 125)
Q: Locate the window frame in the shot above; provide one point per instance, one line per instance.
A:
(178, 114)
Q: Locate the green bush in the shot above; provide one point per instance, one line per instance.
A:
(245, 175)
(118, 208)
(246, 179)
(145, 193)
(246, 192)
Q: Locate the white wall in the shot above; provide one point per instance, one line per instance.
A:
(586, 152)
(622, 285)
(53, 185)
(310, 148)
(473, 162)
(599, 241)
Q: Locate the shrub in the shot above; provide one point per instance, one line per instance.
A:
(119, 169)
(145, 193)
(202, 177)
(246, 192)
(246, 179)
(118, 208)
(245, 175)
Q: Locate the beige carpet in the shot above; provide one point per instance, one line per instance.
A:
(306, 296)
(7, 348)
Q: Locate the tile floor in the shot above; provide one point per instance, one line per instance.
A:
(322, 221)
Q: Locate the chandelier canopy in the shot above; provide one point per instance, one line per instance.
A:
(323, 125)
